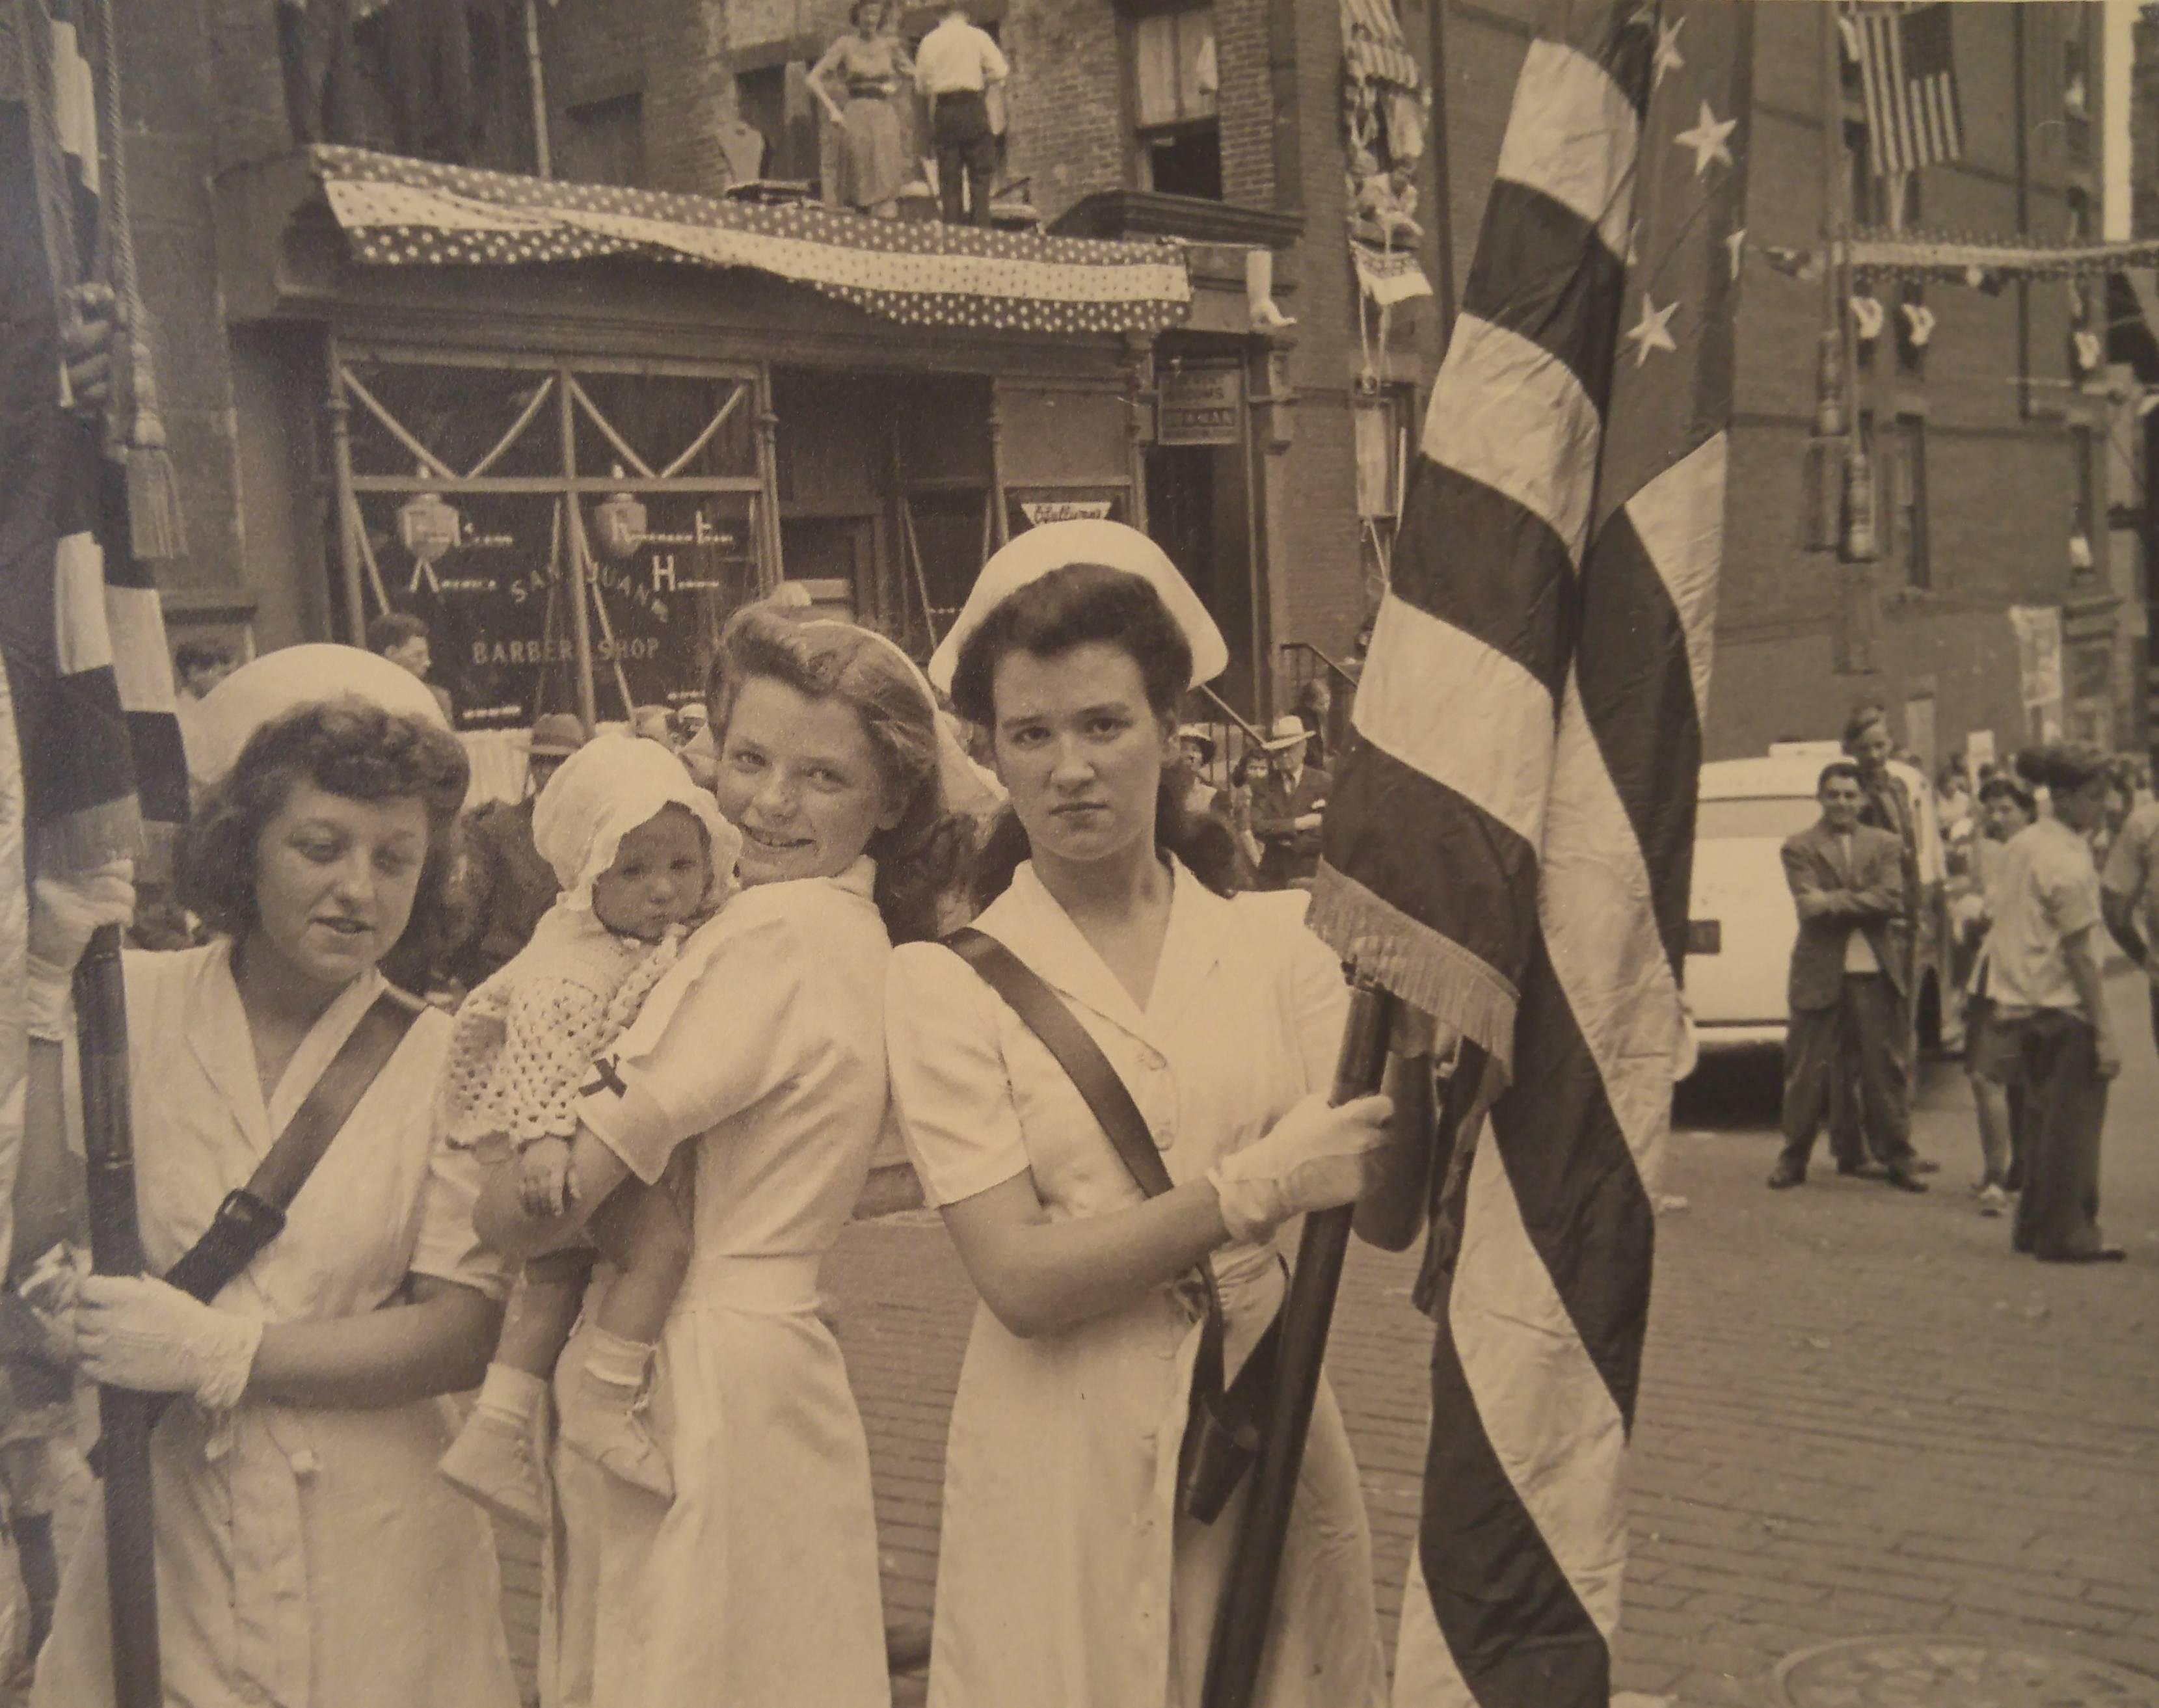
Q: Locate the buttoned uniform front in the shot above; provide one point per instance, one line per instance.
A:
(306, 1557)
(1067, 1578)
(762, 1050)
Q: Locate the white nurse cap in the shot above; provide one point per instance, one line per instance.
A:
(1029, 556)
(282, 681)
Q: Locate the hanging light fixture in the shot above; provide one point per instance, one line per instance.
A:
(620, 520)
(1818, 494)
(427, 526)
(1859, 533)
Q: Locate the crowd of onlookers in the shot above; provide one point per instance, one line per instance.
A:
(2047, 854)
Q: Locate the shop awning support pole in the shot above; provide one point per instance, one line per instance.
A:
(773, 569)
(1001, 523)
(345, 504)
(574, 535)
(535, 73)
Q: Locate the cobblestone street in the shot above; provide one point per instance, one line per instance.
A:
(1859, 1415)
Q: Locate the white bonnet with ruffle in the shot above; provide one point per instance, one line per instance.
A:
(605, 790)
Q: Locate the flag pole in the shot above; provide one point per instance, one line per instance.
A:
(1247, 1605)
(116, 1246)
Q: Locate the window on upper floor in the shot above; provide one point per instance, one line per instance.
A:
(1174, 79)
(603, 142)
(1908, 508)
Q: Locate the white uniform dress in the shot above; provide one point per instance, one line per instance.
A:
(757, 1585)
(1066, 1577)
(307, 1558)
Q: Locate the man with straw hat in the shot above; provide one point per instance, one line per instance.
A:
(1286, 808)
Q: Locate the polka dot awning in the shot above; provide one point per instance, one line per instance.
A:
(398, 212)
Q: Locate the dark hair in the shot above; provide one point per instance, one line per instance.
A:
(349, 747)
(1864, 717)
(1999, 784)
(191, 656)
(393, 629)
(2063, 767)
(1836, 767)
(1069, 607)
(920, 859)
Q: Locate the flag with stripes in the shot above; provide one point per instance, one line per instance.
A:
(1908, 83)
(95, 743)
(1509, 842)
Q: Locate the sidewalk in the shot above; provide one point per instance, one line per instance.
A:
(1860, 1414)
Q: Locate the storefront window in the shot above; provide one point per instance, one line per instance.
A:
(484, 495)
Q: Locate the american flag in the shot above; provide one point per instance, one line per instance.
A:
(1908, 79)
(1509, 840)
(92, 747)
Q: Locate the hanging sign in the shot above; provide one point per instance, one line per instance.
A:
(1041, 511)
(1200, 407)
(2038, 630)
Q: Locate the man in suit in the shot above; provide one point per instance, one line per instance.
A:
(1286, 809)
(1846, 991)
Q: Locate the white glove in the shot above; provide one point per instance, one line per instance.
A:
(1315, 1157)
(63, 913)
(135, 1332)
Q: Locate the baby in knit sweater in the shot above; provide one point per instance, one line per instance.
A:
(644, 856)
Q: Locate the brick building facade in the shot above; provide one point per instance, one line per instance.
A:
(1990, 460)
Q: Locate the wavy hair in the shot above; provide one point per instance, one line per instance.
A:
(349, 747)
(1069, 607)
(920, 859)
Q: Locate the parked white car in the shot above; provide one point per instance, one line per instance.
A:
(1741, 922)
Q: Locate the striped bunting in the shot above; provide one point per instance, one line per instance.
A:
(398, 212)
(1509, 842)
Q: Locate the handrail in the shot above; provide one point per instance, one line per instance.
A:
(1231, 712)
(1341, 671)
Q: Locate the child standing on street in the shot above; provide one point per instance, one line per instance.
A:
(643, 854)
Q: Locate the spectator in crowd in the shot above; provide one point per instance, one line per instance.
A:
(655, 724)
(1286, 808)
(402, 638)
(1990, 1059)
(1314, 708)
(199, 665)
(1952, 796)
(1886, 804)
(956, 67)
(2051, 1004)
(869, 64)
(1846, 992)
(507, 885)
(1246, 781)
(2129, 895)
(1197, 750)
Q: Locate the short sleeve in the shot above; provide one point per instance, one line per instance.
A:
(994, 67)
(1315, 992)
(447, 1249)
(2068, 889)
(949, 1084)
(2129, 862)
(721, 1030)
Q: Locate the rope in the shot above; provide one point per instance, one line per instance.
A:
(135, 426)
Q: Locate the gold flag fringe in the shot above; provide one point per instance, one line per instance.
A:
(1415, 963)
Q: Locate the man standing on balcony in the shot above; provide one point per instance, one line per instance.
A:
(1286, 808)
(958, 66)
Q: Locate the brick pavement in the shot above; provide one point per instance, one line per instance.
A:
(1859, 1413)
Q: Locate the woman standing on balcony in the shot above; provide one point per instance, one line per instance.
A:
(872, 67)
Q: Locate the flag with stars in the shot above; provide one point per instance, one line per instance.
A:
(1509, 842)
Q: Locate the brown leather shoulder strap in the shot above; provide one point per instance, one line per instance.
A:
(1106, 1094)
(250, 1218)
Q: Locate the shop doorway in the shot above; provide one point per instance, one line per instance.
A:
(1200, 511)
